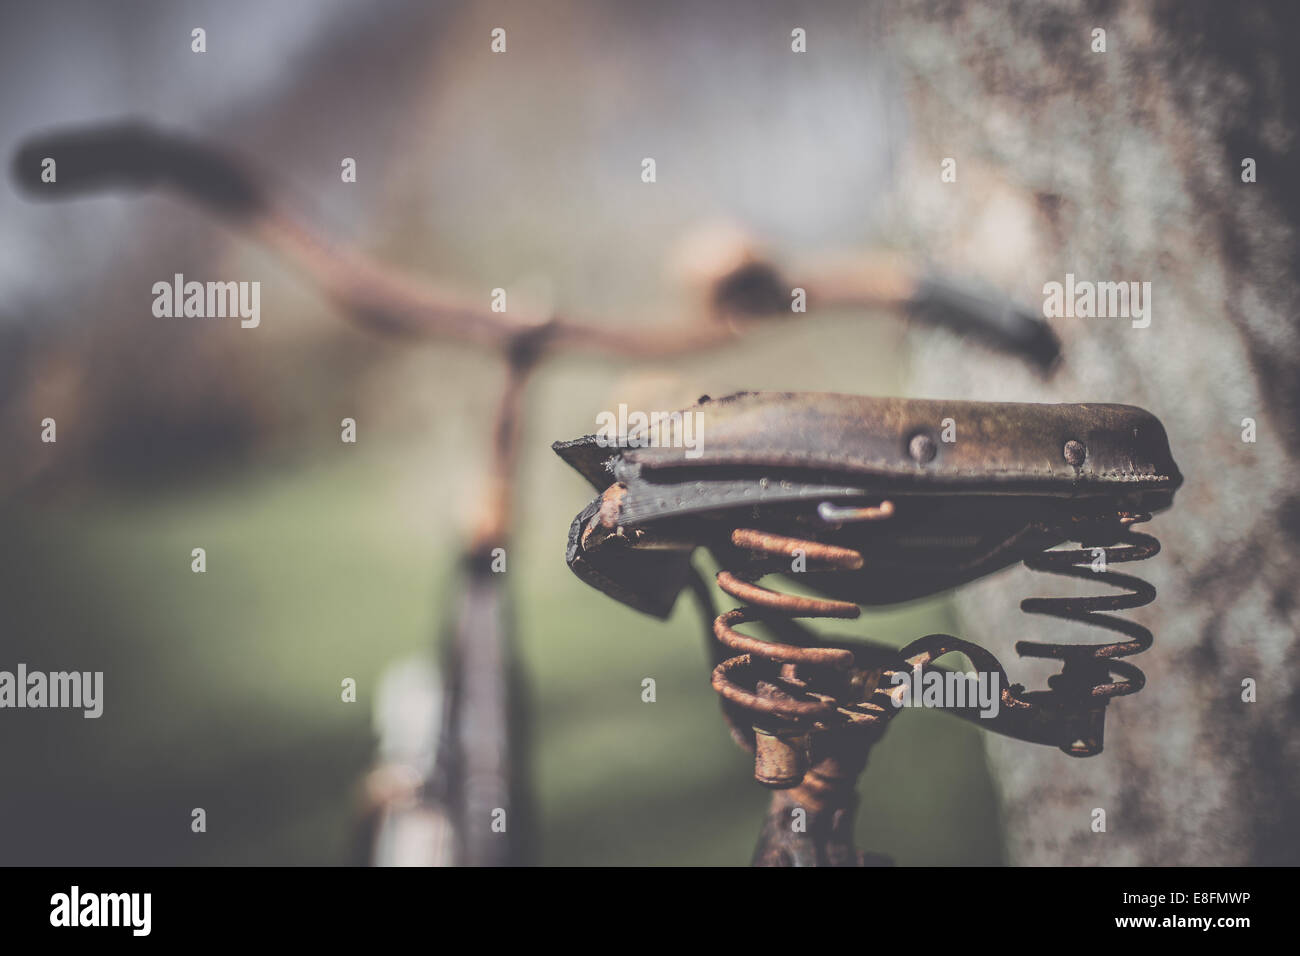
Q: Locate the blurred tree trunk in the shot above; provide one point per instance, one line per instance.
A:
(1127, 165)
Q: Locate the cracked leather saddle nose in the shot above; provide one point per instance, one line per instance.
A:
(973, 487)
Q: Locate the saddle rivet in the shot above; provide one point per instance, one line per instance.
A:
(922, 448)
(1075, 452)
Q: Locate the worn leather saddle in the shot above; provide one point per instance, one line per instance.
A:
(972, 487)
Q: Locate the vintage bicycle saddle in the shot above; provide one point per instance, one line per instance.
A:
(967, 487)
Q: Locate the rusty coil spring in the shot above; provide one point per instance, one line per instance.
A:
(1089, 668)
(795, 688)
(787, 691)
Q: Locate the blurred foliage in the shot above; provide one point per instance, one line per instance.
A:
(222, 689)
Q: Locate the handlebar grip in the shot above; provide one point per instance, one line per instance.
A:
(988, 316)
(135, 155)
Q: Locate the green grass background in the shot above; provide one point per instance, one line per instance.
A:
(223, 688)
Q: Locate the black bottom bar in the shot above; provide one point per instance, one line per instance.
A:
(971, 905)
